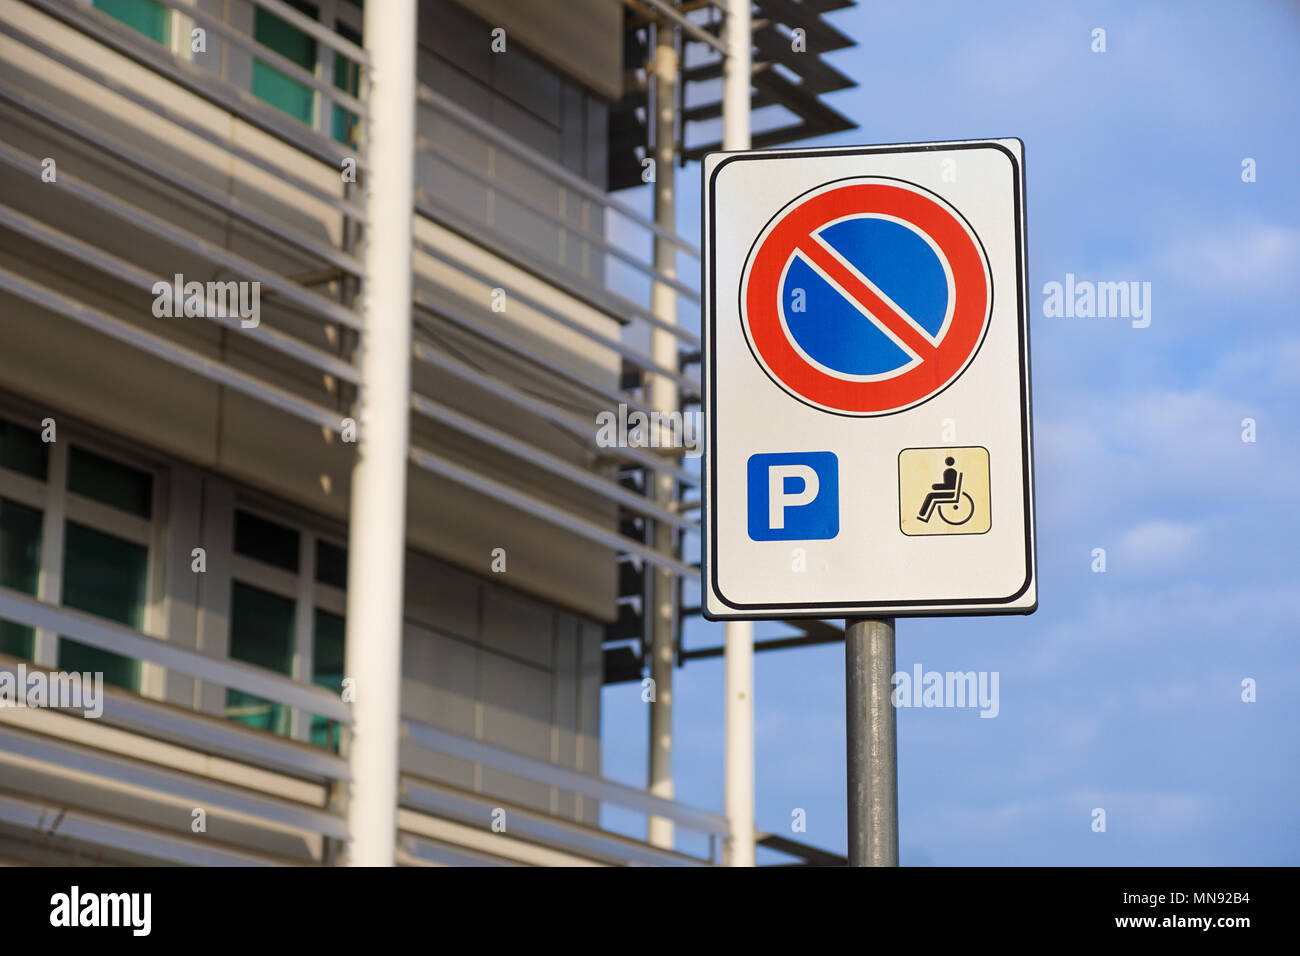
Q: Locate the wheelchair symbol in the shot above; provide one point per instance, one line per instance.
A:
(954, 506)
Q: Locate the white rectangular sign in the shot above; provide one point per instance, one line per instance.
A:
(866, 381)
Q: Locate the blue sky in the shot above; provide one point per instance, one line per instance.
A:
(1124, 690)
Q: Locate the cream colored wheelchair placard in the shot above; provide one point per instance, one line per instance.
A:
(944, 491)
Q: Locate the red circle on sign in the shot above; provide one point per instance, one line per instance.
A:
(794, 230)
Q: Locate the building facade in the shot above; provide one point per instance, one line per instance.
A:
(183, 315)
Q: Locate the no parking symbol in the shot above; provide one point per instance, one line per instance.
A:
(866, 296)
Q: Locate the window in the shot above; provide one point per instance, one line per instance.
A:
(347, 77)
(144, 16)
(331, 564)
(106, 557)
(117, 485)
(22, 450)
(106, 576)
(266, 541)
(25, 456)
(327, 671)
(96, 511)
(20, 569)
(280, 90)
(286, 615)
(261, 633)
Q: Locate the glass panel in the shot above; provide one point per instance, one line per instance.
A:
(327, 671)
(106, 576)
(20, 569)
(264, 540)
(22, 450)
(261, 633)
(347, 77)
(110, 482)
(145, 16)
(296, 99)
(331, 564)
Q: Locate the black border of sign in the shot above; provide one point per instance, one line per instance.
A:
(930, 608)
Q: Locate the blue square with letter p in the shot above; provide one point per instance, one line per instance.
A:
(793, 496)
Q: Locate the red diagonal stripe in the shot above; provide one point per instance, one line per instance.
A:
(880, 310)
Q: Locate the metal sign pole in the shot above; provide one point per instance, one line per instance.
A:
(872, 741)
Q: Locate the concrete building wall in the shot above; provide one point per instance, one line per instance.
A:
(511, 660)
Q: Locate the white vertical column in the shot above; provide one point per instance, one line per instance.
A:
(739, 797)
(377, 528)
(663, 397)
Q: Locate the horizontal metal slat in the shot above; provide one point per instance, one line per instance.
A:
(555, 831)
(553, 514)
(162, 110)
(425, 318)
(121, 269)
(497, 185)
(238, 264)
(305, 23)
(607, 489)
(138, 839)
(115, 35)
(110, 636)
(572, 180)
(548, 830)
(223, 201)
(203, 793)
(575, 284)
(533, 405)
(168, 351)
(686, 382)
(589, 785)
(262, 52)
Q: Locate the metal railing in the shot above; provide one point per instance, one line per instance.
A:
(68, 745)
(590, 288)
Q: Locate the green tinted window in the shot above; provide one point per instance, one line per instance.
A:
(347, 77)
(106, 576)
(331, 564)
(20, 568)
(266, 541)
(327, 671)
(281, 91)
(261, 633)
(110, 482)
(146, 16)
(22, 450)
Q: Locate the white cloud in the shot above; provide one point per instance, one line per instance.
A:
(1241, 259)
(1160, 543)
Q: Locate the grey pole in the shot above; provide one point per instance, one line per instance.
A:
(873, 742)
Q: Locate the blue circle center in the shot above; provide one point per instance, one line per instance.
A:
(832, 330)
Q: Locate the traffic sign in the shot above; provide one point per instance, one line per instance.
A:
(866, 378)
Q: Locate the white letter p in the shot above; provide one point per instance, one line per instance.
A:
(778, 500)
